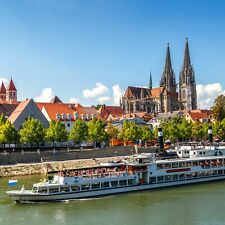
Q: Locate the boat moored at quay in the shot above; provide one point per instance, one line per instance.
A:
(135, 173)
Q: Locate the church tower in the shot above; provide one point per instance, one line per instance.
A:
(2, 92)
(11, 92)
(187, 84)
(168, 81)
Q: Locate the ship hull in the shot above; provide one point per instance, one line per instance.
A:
(28, 197)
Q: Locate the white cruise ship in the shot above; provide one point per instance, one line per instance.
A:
(138, 172)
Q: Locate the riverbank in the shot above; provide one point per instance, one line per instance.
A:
(42, 168)
(81, 159)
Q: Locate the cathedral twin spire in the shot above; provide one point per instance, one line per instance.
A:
(168, 79)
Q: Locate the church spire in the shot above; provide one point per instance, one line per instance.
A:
(168, 78)
(168, 66)
(150, 81)
(187, 61)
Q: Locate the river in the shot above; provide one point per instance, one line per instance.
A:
(199, 204)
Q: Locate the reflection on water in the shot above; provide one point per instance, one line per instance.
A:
(187, 205)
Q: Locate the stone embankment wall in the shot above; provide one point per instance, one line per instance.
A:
(17, 163)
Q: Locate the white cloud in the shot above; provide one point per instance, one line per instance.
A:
(99, 90)
(73, 100)
(103, 99)
(117, 93)
(46, 95)
(206, 94)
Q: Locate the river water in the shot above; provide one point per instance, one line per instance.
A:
(199, 204)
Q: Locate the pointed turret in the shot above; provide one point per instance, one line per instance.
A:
(2, 89)
(168, 77)
(150, 81)
(2, 92)
(187, 85)
(11, 86)
(168, 65)
(11, 92)
(187, 60)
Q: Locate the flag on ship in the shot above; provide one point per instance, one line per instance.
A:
(12, 183)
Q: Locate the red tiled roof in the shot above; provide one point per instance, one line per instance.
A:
(155, 92)
(114, 111)
(196, 116)
(11, 86)
(53, 109)
(18, 110)
(2, 89)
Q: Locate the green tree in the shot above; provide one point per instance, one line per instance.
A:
(79, 132)
(199, 131)
(218, 109)
(8, 133)
(130, 131)
(96, 130)
(147, 133)
(111, 131)
(56, 132)
(2, 119)
(32, 131)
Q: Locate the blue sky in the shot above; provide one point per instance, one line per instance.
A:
(69, 46)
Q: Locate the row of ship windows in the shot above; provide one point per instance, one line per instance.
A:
(183, 176)
(85, 187)
(213, 163)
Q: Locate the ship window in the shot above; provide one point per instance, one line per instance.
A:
(182, 164)
(131, 182)
(181, 176)
(42, 189)
(174, 177)
(188, 163)
(53, 189)
(207, 173)
(123, 182)
(195, 163)
(159, 166)
(35, 189)
(160, 179)
(85, 187)
(152, 180)
(168, 178)
(167, 165)
(95, 186)
(64, 188)
(114, 183)
(174, 165)
(220, 172)
(105, 184)
(214, 172)
(189, 176)
(195, 175)
(75, 188)
(203, 153)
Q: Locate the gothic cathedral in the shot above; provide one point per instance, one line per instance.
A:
(164, 98)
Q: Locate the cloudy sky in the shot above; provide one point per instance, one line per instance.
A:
(89, 51)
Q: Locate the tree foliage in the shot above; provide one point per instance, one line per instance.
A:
(8, 133)
(96, 130)
(218, 109)
(56, 132)
(111, 131)
(147, 133)
(32, 131)
(79, 132)
(130, 131)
